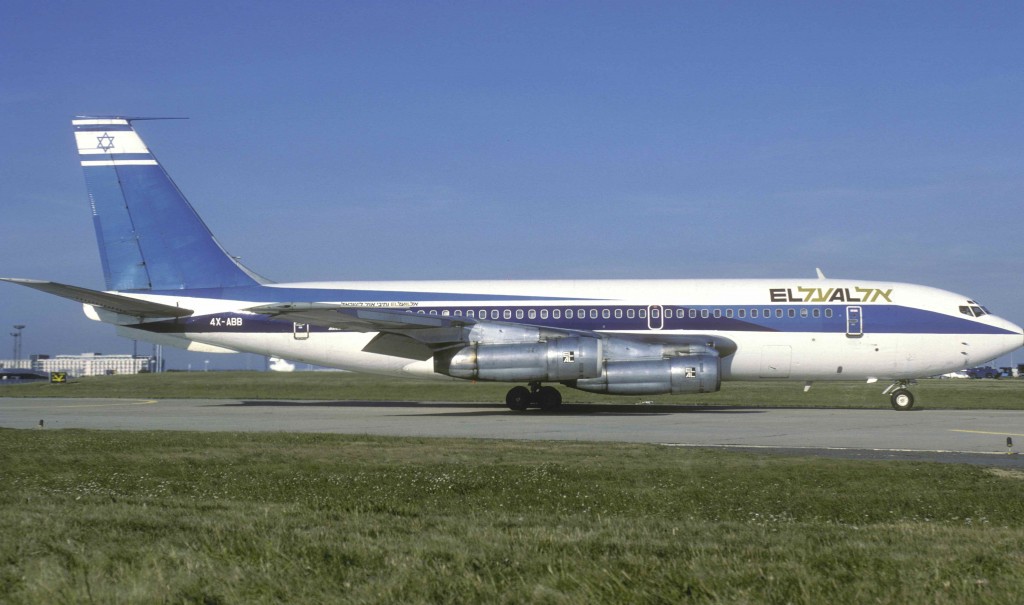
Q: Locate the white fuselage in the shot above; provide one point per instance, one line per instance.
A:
(811, 329)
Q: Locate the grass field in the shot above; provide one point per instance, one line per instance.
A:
(987, 394)
(163, 517)
(178, 517)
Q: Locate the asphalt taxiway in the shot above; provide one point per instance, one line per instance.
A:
(971, 436)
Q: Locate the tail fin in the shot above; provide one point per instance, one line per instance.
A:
(150, 237)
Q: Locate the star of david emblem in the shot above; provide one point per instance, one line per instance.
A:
(106, 142)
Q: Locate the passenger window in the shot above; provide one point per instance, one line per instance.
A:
(803, 312)
(704, 313)
(532, 314)
(519, 313)
(728, 313)
(421, 312)
(655, 314)
(507, 313)
(778, 313)
(606, 313)
(568, 313)
(753, 312)
(494, 314)
(791, 312)
(457, 312)
(828, 312)
(593, 314)
(630, 313)
(741, 313)
(816, 313)
(642, 313)
(445, 313)
(680, 313)
(718, 313)
(433, 311)
(693, 313)
(556, 313)
(543, 313)
(618, 313)
(767, 313)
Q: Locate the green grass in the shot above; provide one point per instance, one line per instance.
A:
(164, 517)
(977, 394)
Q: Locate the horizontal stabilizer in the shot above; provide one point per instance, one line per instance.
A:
(116, 303)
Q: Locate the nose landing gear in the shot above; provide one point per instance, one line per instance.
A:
(900, 396)
(545, 398)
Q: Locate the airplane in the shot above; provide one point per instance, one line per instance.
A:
(169, 281)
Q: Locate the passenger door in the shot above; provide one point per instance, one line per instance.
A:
(854, 322)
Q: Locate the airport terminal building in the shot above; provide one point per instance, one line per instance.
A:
(86, 364)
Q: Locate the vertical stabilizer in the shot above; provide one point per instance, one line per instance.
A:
(149, 236)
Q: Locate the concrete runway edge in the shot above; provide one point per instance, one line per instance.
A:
(961, 436)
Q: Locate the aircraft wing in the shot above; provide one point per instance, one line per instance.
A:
(416, 336)
(360, 319)
(401, 334)
(116, 303)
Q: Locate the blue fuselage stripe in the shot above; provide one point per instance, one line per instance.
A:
(875, 319)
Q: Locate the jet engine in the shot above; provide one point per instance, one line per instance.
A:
(690, 374)
(618, 366)
(555, 360)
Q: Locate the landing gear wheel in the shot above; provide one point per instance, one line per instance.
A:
(518, 398)
(902, 400)
(548, 398)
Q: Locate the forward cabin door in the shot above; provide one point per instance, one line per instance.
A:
(854, 322)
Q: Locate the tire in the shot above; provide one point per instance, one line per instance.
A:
(518, 398)
(902, 400)
(549, 398)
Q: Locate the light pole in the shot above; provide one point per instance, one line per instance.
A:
(17, 341)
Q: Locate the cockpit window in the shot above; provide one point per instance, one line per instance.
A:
(973, 309)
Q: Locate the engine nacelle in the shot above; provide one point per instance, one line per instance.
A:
(555, 360)
(690, 374)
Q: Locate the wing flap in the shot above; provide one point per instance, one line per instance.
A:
(399, 345)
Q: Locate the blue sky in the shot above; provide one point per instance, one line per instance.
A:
(422, 140)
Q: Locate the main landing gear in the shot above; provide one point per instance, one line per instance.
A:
(900, 396)
(545, 398)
